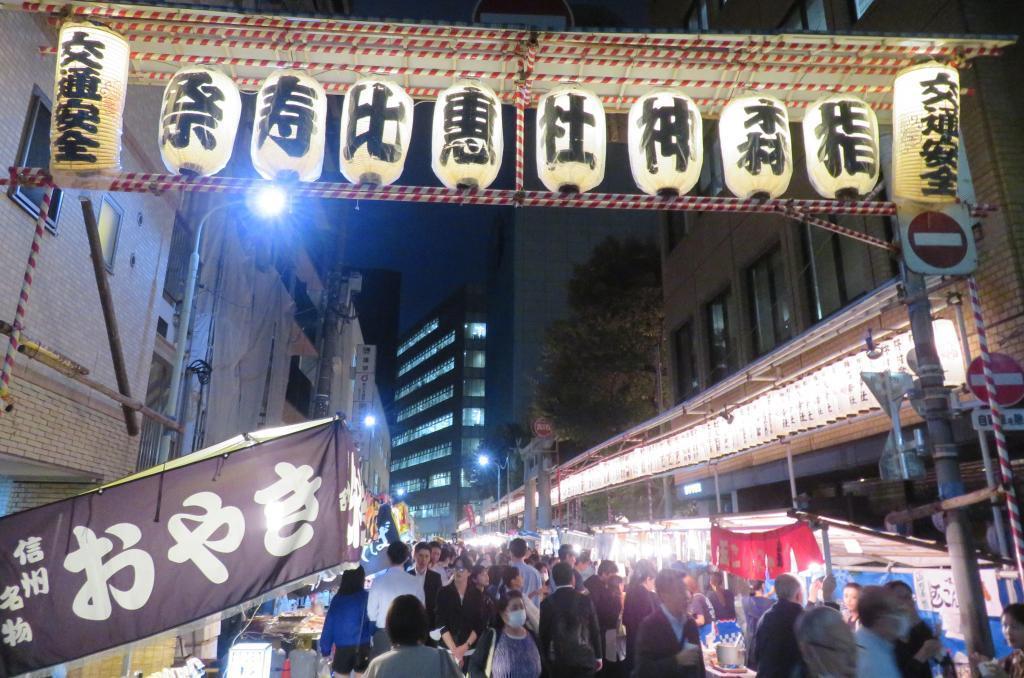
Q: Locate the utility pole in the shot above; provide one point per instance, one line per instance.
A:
(938, 422)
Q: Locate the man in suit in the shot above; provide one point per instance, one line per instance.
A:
(429, 580)
(775, 642)
(668, 643)
(570, 638)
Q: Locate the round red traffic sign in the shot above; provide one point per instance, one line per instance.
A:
(937, 239)
(543, 428)
(1007, 375)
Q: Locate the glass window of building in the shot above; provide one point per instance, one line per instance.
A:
(476, 330)
(697, 17)
(426, 403)
(466, 478)
(806, 15)
(108, 224)
(431, 351)
(860, 7)
(721, 359)
(34, 151)
(423, 430)
(422, 457)
(440, 479)
(426, 378)
(474, 388)
(687, 379)
(473, 416)
(434, 510)
(770, 306)
(476, 359)
(470, 445)
(838, 270)
(423, 331)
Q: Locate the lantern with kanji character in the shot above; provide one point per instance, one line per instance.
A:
(841, 146)
(289, 132)
(926, 133)
(88, 99)
(467, 141)
(376, 126)
(757, 152)
(666, 142)
(570, 140)
(198, 121)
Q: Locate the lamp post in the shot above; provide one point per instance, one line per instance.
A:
(268, 202)
(484, 460)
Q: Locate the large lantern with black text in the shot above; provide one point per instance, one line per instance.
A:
(289, 132)
(198, 121)
(757, 151)
(926, 133)
(570, 140)
(841, 146)
(666, 142)
(376, 126)
(466, 136)
(88, 99)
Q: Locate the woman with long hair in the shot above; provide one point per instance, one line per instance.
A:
(347, 628)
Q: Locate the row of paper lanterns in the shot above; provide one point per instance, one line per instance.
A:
(202, 107)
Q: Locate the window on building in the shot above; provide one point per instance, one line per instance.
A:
(435, 510)
(423, 430)
(806, 15)
(472, 416)
(721, 359)
(426, 378)
(770, 305)
(429, 352)
(34, 151)
(440, 479)
(677, 228)
(425, 404)
(712, 174)
(465, 478)
(687, 379)
(430, 454)
(470, 445)
(837, 271)
(109, 224)
(420, 334)
(476, 359)
(697, 17)
(860, 7)
(474, 388)
(408, 486)
(476, 330)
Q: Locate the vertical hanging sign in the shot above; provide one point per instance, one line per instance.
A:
(841, 147)
(757, 152)
(467, 136)
(666, 143)
(89, 91)
(289, 133)
(926, 133)
(376, 127)
(198, 121)
(570, 140)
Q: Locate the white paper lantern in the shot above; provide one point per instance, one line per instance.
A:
(666, 142)
(841, 146)
(376, 126)
(926, 133)
(199, 120)
(757, 152)
(289, 132)
(88, 99)
(467, 137)
(570, 140)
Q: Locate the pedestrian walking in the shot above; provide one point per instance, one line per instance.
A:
(722, 600)
(566, 555)
(915, 652)
(460, 610)
(428, 579)
(531, 583)
(509, 649)
(640, 602)
(406, 626)
(668, 642)
(479, 578)
(347, 628)
(882, 623)
(777, 654)
(570, 638)
(387, 586)
(826, 644)
(513, 582)
(608, 605)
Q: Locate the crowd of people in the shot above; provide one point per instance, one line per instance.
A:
(443, 610)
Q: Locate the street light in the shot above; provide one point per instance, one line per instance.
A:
(484, 459)
(400, 492)
(268, 202)
(369, 421)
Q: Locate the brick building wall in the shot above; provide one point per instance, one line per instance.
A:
(77, 432)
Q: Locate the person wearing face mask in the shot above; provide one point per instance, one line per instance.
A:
(915, 652)
(509, 650)
(826, 644)
(882, 623)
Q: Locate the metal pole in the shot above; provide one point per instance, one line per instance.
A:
(826, 548)
(792, 476)
(937, 416)
(718, 495)
(666, 496)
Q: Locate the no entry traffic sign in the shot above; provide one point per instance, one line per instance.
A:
(543, 428)
(1007, 375)
(937, 240)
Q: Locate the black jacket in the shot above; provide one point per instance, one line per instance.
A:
(607, 603)
(569, 633)
(639, 604)
(777, 651)
(906, 649)
(460, 617)
(431, 587)
(657, 646)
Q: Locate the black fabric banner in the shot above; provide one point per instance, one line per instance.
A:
(93, 572)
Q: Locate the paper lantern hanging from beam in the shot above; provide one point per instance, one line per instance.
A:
(666, 142)
(198, 121)
(90, 85)
(376, 127)
(571, 140)
(841, 147)
(289, 132)
(757, 152)
(926, 133)
(467, 136)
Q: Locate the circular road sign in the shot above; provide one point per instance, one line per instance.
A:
(1007, 375)
(543, 428)
(937, 239)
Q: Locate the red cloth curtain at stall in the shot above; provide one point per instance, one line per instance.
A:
(750, 555)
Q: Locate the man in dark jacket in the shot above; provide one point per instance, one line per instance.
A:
(777, 651)
(570, 638)
(431, 580)
(668, 645)
(607, 603)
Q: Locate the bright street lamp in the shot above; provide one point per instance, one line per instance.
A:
(400, 492)
(270, 201)
(369, 421)
(483, 459)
